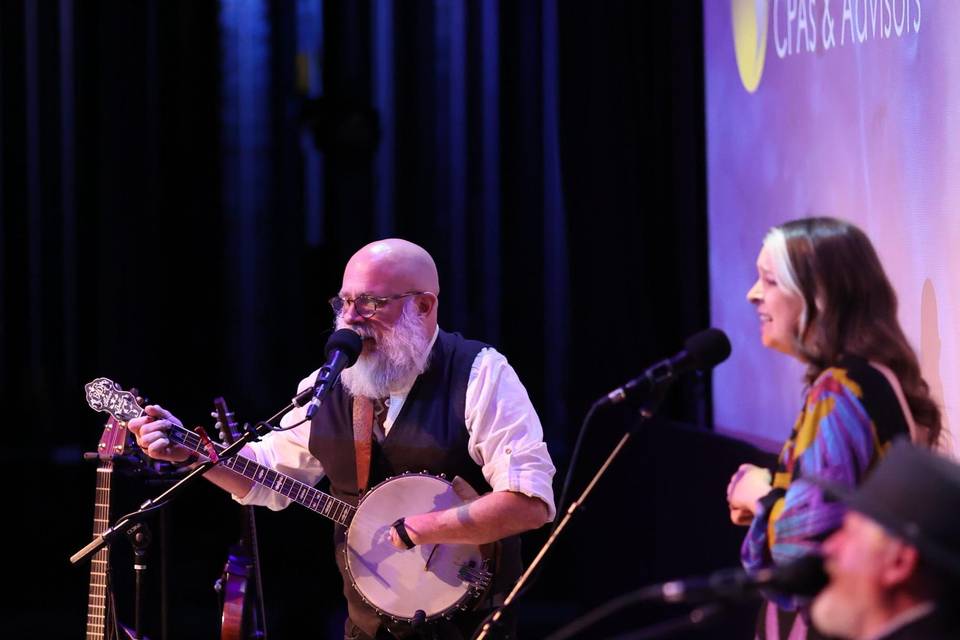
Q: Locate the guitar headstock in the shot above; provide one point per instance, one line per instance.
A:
(225, 423)
(103, 394)
(113, 441)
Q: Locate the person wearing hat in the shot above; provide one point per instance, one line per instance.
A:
(894, 565)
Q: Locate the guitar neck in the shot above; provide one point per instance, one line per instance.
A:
(326, 505)
(100, 565)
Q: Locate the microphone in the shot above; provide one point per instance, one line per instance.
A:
(342, 350)
(702, 350)
(802, 577)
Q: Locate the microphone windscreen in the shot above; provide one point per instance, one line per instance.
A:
(708, 348)
(346, 342)
(803, 577)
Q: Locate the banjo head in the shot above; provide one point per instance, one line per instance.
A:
(436, 579)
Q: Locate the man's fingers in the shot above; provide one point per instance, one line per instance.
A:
(157, 412)
(395, 539)
(153, 437)
(158, 446)
(150, 439)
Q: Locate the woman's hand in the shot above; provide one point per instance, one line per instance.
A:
(741, 517)
(746, 487)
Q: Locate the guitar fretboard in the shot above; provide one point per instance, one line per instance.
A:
(100, 565)
(326, 505)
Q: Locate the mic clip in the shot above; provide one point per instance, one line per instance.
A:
(303, 397)
(320, 389)
(652, 379)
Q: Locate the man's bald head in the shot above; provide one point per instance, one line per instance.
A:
(397, 336)
(397, 265)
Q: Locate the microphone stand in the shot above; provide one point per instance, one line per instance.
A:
(128, 523)
(140, 538)
(692, 620)
(647, 412)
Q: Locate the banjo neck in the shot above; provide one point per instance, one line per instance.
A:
(103, 394)
(323, 503)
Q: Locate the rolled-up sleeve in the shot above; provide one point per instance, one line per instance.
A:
(287, 452)
(506, 437)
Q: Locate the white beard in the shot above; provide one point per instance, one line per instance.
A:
(400, 356)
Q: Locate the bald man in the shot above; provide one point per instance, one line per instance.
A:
(443, 404)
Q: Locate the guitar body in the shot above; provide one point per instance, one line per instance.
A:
(437, 579)
(238, 619)
(243, 614)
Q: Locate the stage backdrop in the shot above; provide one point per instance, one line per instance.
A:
(849, 108)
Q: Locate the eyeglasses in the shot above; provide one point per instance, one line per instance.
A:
(365, 305)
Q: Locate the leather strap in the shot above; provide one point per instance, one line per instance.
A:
(401, 529)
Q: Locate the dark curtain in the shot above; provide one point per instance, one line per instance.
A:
(181, 183)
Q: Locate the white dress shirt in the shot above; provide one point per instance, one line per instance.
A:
(505, 436)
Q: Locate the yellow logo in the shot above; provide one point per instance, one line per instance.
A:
(750, 39)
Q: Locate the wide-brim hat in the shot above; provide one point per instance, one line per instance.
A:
(914, 494)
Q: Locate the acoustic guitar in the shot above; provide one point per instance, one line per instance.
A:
(244, 617)
(102, 623)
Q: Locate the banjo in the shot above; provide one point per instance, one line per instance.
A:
(426, 582)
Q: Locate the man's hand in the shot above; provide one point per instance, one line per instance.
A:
(463, 490)
(151, 429)
(398, 542)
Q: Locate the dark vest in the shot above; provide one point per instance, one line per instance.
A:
(429, 435)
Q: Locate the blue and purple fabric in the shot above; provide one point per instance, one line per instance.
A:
(850, 416)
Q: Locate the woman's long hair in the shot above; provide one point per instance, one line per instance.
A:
(850, 308)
